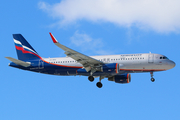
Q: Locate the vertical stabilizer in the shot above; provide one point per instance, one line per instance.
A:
(24, 50)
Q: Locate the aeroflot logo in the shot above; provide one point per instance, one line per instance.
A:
(19, 44)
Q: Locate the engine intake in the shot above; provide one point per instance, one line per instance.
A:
(124, 78)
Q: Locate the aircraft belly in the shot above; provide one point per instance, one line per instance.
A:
(95, 74)
(140, 67)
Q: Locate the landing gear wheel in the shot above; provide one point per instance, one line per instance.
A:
(91, 78)
(99, 84)
(152, 79)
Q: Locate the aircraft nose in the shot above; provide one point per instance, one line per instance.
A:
(172, 64)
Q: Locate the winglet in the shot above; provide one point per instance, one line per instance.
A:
(53, 38)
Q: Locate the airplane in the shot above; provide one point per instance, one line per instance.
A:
(116, 68)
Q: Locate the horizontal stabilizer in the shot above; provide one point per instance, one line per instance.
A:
(19, 62)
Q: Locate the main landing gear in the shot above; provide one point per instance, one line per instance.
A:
(152, 79)
(98, 84)
(91, 78)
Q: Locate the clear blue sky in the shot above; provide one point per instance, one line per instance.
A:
(92, 28)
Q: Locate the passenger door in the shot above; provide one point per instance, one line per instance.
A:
(151, 58)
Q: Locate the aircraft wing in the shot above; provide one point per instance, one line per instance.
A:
(88, 63)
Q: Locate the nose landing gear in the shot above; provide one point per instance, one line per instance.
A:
(152, 79)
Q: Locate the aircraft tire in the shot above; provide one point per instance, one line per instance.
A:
(152, 79)
(99, 85)
(91, 78)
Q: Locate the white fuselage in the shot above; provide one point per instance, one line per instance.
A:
(128, 62)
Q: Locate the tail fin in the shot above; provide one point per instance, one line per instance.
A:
(24, 50)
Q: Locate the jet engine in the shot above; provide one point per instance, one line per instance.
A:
(111, 68)
(124, 78)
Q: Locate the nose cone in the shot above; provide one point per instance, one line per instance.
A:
(171, 64)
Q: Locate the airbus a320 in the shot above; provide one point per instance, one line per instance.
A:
(115, 68)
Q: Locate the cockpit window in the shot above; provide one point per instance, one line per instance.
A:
(164, 57)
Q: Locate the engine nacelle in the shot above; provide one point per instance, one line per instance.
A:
(111, 68)
(124, 78)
